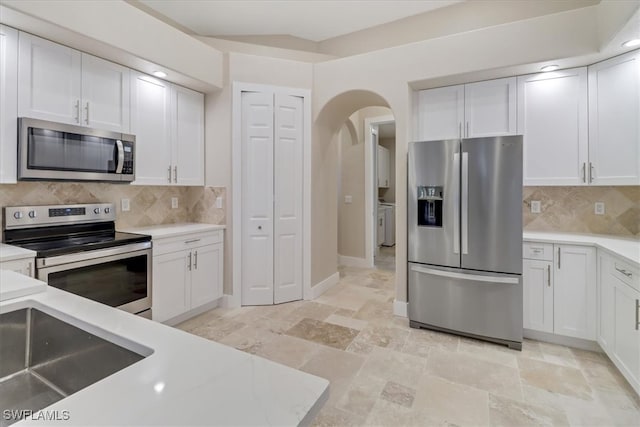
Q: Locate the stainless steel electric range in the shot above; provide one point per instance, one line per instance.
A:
(79, 251)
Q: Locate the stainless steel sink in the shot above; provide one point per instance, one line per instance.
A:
(44, 359)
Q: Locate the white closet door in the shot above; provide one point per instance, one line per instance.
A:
(288, 198)
(257, 198)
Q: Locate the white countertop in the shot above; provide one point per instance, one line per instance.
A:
(187, 380)
(620, 246)
(10, 253)
(14, 285)
(168, 230)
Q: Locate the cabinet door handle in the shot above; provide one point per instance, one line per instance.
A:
(175, 174)
(77, 111)
(549, 275)
(195, 260)
(637, 314)
(558, 258)
(584, 172)
(189, 266)
(169, 174)
(460, 129)
(86, 118)
(467, 129)
(625, 272)
(591, 169)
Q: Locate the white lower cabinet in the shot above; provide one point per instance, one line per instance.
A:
(618, 316)
(537, 283)
(187, 274)
(574, 295)
(559, 288)
(22, 266)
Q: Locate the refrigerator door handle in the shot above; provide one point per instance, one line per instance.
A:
(465, 203)
(456, 203)
(463, 276)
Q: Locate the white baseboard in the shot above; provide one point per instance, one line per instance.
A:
(230, 301)
(193, 313)
(350, 261)
(323, 286)
(400, 308)
(562, 340)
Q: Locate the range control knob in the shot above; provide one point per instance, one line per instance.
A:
(107, 210)
(33, 214)
(96, 211)
(17, 215)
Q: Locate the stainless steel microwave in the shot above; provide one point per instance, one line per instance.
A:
(57, 151)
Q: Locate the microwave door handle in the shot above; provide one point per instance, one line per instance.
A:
(120, 156)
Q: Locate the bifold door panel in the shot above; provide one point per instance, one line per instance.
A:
(272, 137)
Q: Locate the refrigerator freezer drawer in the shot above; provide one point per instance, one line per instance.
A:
(468, 302)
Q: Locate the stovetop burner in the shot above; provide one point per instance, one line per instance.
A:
(79, 228)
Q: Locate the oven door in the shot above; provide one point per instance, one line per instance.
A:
(119, 277)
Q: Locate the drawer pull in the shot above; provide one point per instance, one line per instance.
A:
(191, 241)
(537, 251)
(625, 272)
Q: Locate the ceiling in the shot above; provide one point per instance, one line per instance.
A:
(313, 20)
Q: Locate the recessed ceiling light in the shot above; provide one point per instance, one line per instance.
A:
(549, 68)
(631, 43)
(160, 74)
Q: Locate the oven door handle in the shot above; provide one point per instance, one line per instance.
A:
(91, 255)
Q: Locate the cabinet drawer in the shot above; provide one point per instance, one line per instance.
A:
(186, 241)
(626, 273)
(541, 251)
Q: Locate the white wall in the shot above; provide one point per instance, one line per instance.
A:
(243, 68)
(388, 75)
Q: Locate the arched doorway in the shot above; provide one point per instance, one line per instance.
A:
(344, 195)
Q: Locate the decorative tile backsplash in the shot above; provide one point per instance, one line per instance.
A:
(149, 205)
(572, 209)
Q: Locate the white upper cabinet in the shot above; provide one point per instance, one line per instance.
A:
(61, 84)
(490, 108)
(614, 121)
(552, 116)
(105, 94)
(151, 124)
(440, 113)
(49, 80)
(168, 122)
(383, 167)
(188, 131)
(468, 111)
(8, 104)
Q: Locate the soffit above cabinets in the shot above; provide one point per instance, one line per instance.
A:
(87, 26)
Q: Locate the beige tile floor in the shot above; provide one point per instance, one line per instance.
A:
(383, 373)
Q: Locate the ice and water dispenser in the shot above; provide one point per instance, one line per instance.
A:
(430, 206)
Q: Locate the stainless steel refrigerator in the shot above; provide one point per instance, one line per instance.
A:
(465, 237)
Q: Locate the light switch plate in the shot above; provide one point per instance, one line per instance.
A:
(219, 202)
(348, 199)
(535, 206)
(125, 205)
(174, 203)
(599, 208)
